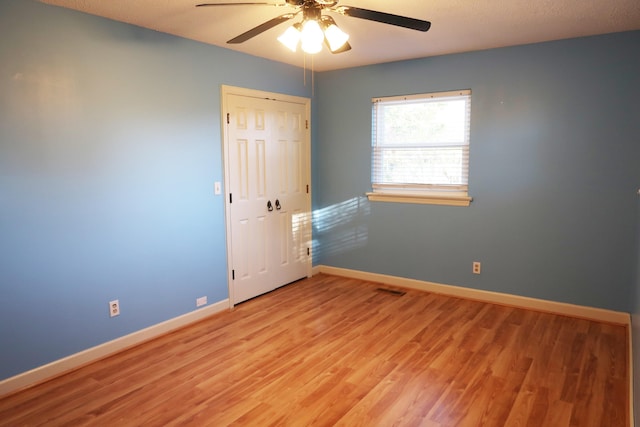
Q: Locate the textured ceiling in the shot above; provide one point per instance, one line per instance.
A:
(457, 25)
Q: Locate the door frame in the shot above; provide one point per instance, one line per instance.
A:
(225, 92)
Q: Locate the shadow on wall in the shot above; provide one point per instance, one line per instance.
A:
(340, 227)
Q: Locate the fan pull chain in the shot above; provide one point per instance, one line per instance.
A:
(304, 73)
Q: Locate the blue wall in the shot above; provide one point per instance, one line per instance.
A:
(109, 149)
(555, 145)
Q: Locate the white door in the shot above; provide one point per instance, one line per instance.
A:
(268, 206)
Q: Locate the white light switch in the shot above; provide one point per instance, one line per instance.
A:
(218, 188)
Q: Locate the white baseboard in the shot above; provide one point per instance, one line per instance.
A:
(101, 351)
(590, 313)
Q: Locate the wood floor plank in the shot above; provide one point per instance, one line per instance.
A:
(332, 351)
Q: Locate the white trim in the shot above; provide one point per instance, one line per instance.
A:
(261, 94)
(447, 200)
(74, 361)
(449, 94)
(584, 312)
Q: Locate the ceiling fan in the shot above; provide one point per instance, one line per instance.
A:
(316, 28)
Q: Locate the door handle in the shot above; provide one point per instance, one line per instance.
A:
(269, 206)
(278, 206)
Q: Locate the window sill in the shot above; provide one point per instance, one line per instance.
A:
(431, 199)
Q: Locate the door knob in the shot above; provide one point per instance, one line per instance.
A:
(278, 206)
(269, 206)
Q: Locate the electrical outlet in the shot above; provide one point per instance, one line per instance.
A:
(201, 301)
(476, 267)
(114, 308)
(217, 188)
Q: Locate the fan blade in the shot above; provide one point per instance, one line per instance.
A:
(385, 18)
(240, 4)
(261, 28)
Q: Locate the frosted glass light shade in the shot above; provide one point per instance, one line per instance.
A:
(312, 37)
(290, 38)
(336, 37)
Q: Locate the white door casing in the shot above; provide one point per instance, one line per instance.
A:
(266, 144)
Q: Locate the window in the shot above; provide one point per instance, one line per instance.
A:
(420, 148)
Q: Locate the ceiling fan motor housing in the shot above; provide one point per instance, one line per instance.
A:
(312, 11)
(323, 3)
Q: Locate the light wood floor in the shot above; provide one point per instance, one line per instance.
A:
(335, 351)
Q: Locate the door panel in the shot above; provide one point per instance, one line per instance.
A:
(248, 188)
(290, 136)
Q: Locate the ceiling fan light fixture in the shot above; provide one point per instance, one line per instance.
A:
(335, 37)
(311, 36)
(316, 28)
(290, 38)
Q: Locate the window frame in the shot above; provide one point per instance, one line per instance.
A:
(439, 194)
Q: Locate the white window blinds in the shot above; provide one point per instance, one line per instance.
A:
(420, 143)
